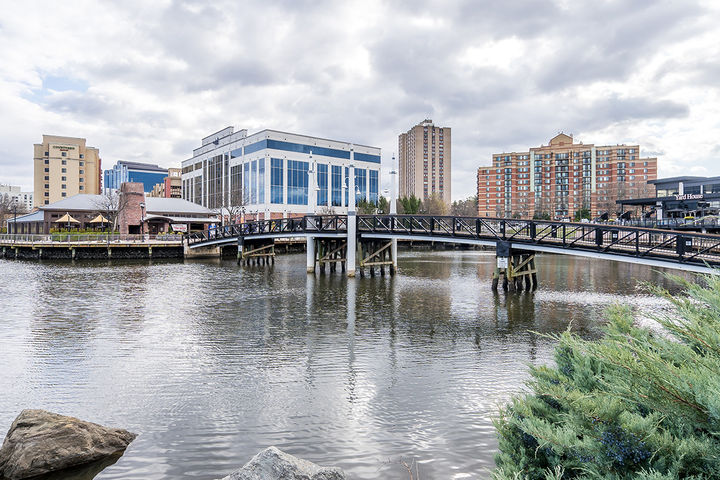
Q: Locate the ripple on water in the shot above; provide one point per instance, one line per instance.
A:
(211, 362)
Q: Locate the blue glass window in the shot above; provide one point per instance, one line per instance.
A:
(336, 186)
(254, 147)
(261, 180)
(276, 180)
(322, 178)
(374, 186)
(300, 148)
(253, 182)
(361, 184)
(297, 182)
(246, 184)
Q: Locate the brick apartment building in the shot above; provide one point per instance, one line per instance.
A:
(560, 178)
(425, 158)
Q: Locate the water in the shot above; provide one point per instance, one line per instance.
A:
(210, 362)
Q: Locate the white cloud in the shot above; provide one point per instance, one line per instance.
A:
(146, 80)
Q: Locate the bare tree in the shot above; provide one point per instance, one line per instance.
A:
(232, 207)
(9, 207)
(110, 205)
(434, 205)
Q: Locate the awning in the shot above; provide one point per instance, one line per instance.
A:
(99, 219)
(66, 219)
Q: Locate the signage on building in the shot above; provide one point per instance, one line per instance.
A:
(63, 148)
(179, 227)
(689, 196)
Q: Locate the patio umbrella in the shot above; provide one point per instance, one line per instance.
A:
(66, 219)
(100, 219)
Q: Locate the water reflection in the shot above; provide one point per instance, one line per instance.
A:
(211, 362)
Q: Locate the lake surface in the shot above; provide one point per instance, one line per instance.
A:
(211, 362)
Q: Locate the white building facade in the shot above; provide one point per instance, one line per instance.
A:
(272, 174)
(15, 194)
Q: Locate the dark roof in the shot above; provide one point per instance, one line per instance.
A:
(142, 166)
(680, 179)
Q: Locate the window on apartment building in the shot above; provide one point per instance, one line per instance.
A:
(64, 162)
(82, 155)
(64, 194)
(81, 180)
(47, 154)
(47, 170)
(82, 172)
(64, 179)
(82, 164)
(47, 194)
(63, 186)
(64, 154)
(47, 185)
(64, 170)
(82, 187)
(47, 162)
(47, 178)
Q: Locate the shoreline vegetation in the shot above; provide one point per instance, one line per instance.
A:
(635, 404)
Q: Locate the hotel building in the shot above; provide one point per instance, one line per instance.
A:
(268, 173)
(65, 166)
(424, 161)
(558, 179)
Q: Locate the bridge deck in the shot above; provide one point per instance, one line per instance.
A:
(622, 243)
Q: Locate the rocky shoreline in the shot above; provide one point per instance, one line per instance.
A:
(41, 443)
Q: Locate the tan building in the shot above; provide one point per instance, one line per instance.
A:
(171, 186)
(425, 160)
(559, 179)
(64, 167)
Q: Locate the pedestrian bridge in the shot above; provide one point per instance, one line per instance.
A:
(687, 251)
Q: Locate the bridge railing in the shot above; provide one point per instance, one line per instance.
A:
(52, 238)
(622, 240)
(289, 226)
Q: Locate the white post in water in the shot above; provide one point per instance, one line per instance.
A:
(310, 222)
(393, 210)
(351, 218)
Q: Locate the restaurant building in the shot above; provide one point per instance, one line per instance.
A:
(677, 198)
(138, 214)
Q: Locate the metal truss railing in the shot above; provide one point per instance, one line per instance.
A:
(668, 245)
(279, 226)
(680, 247)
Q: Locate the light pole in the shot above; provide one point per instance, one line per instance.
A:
(142, 219)
(14, 218)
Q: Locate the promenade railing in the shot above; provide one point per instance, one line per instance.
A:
(84, 238)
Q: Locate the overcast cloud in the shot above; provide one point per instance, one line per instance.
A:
(145, 81)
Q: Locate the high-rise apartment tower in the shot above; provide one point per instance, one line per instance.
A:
(424, 159)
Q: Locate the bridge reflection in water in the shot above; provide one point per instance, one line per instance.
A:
(515, 241)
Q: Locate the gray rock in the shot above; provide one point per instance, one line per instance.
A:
(39, 442)
(274, 464)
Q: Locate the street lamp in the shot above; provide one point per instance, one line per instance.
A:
(15, 218)
(142, 218)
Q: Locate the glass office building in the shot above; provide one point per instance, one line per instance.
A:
(267, 174)
(147, 174)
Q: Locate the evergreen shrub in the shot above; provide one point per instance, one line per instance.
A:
(639, 403)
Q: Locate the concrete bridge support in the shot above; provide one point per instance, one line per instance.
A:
(310, 254)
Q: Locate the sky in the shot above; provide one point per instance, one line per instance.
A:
(145, 81)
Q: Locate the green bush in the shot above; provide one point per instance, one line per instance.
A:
(639, 403)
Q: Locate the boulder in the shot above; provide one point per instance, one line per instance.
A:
(40, 442)
(274, 464)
